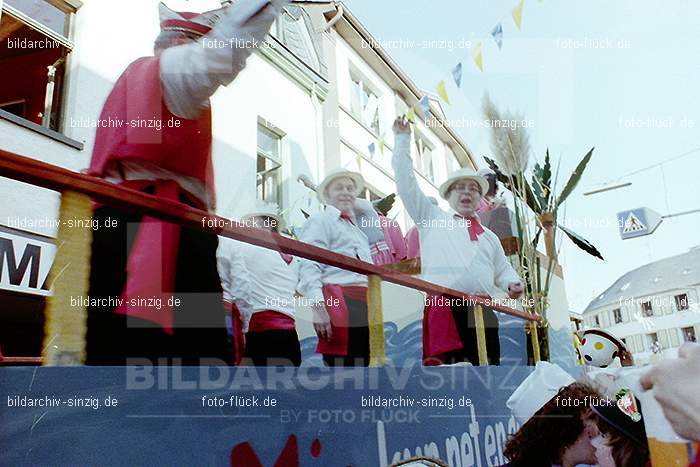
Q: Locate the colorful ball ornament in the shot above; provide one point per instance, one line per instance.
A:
(599, 348)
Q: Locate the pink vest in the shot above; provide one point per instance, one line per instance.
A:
(394, 238)
(136, 105)
(412, 243)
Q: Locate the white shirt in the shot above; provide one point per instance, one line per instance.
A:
(448, 256)
(256, 279)
(328, 230)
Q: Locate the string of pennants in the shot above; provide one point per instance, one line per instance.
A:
(477, 56)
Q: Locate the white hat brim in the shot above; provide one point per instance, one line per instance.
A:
(455, 177)
(354, 176)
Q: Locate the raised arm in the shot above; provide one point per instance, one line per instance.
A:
(191, 73)
(417, 204)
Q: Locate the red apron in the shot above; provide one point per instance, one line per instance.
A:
(339, 315)
(238, 342)
(440, 334)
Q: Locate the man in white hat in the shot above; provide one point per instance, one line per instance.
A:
(456, 252)
(260, 284)
(338, 297)
(164, 149)
(555, 417)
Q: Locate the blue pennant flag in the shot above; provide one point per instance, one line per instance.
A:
(457, 74)
(497, 34)
(371, 148)
(425, 107)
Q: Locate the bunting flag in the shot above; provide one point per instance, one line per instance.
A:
(457, 74)
(411, 115)
(518, 13)
(425, 107)
(442, 92)
(381, 144)
(371, 148)
(497, 34)
(478, 56)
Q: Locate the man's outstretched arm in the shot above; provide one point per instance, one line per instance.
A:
(191, 73)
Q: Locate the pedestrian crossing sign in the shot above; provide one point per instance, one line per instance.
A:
(637, 222)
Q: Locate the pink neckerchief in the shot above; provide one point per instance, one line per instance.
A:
(346, 216)
(473, 226)
(286, 257)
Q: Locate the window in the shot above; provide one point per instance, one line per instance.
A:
(34, 44)
(617, 315)
(646, 309)
(364, 104)
(681, 302)
(597, 321)
(689, 334)
(269, 165)
(424, 156)
(653, 340)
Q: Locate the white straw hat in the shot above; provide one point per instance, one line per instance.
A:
(264, 209)
(463, 174)
(338, 173)
(537, 389)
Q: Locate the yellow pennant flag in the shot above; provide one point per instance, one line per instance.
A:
(478, 56)
(442, 92)
(518, 14)
(411, 115)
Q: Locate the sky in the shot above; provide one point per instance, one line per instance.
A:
(618, 75)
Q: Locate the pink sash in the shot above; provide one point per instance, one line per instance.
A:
(270, 321)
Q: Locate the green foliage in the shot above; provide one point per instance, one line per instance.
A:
(575, 178)
(539, 195)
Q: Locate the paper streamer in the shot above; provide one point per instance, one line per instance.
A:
(518, 14)
(411, 115)
(442, 92)
(371, 148)
(457, 74)
(478, 57)
(497, 35)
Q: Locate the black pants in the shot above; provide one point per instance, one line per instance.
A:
(199, 332)
(272, 348)
(358, 337)
(464, 319)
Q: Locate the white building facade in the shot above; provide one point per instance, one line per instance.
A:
(652, 309)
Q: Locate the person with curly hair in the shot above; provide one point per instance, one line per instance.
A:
(556, 420)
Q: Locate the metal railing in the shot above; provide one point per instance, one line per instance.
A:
(79, 190)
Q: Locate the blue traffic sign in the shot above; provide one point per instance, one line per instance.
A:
(637, 222)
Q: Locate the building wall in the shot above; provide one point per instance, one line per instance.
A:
(667, 322)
